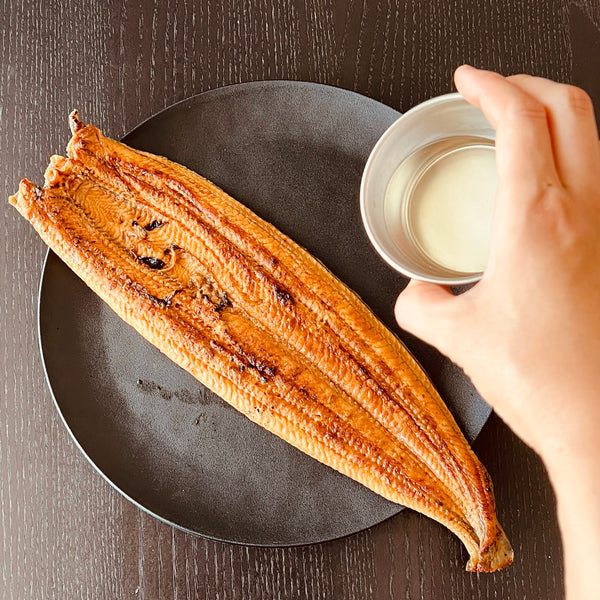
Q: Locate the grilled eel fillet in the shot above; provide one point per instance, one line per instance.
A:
(263, 324)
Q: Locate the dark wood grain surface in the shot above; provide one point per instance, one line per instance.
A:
(65, 533)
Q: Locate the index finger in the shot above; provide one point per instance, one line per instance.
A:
(524, 154)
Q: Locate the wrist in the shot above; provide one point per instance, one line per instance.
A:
(571, 458)
(575, 476)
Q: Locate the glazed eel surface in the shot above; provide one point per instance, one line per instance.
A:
(258, 320)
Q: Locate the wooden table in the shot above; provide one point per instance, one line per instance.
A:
(66, 534)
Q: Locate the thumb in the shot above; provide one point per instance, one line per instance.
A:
(426, 310)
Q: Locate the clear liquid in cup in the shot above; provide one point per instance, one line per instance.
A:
(442, 199)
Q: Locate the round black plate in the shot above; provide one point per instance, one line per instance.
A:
(294, 153)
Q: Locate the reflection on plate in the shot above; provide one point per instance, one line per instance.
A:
(294, 153)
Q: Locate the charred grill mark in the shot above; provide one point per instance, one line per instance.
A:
(153, 225)
(266, 371)
(282, 295)
(145, 229)
(158, 301)
(270, 371)
(219, 301)
(216, 346)
(152, 262)
(162, 302)
(364, 372)
(244, 360)
(224, 302)
(169, 298)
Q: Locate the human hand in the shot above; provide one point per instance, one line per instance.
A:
(528, 334)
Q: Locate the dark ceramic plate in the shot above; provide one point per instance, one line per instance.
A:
(294, 153)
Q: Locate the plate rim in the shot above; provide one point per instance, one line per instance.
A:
(271, 83)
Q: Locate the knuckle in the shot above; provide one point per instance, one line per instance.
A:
(577, 99)
(525, 108)
(519, 78)
(551, 210)
(548, 196)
